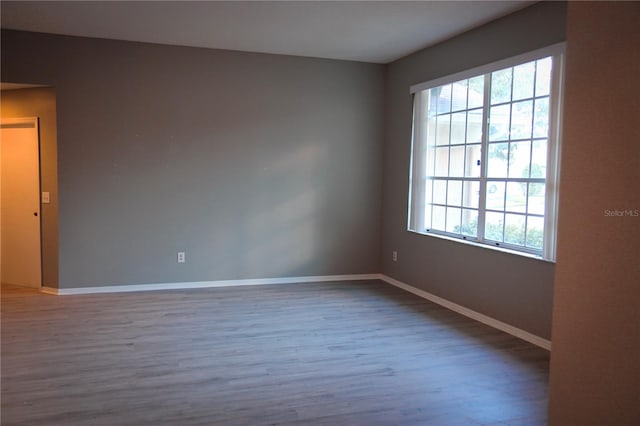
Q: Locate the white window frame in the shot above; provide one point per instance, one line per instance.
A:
(417, 202)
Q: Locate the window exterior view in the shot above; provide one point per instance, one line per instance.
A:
(484, 161)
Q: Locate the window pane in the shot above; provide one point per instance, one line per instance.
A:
(539, 159)
(431, 158)
(536, 198)
(433, 101)
(442, 161)
(541, 118)
(495, 195)
(474, 125)
(444, 99)
(431, 131)
(476, 92)
(523, 78)
(543, 76)
(472, 161)
(443, 129)
(501, 86)
(456, 161)
(498, 155)
(493, 226)
(514, 229)
(535, 232)
(521, 116)
(453, 219)
(458, 127)
(469, 225)
(471, 193)
(499, 123)
(428, 191)
(459, 100)
(438, 218)
(454, 195)
(519, 159)
(439, 191)
(516, 200)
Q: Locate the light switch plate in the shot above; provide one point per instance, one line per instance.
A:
(46, 198)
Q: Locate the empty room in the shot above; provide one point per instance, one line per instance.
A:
(320, 213)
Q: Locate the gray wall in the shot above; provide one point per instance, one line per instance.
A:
(255, 165)
(511, 288)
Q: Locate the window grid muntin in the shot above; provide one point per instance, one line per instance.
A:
(431, 181)
(450, 111)
(531, 139)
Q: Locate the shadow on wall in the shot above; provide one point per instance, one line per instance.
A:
(282, 225)
(277, 232)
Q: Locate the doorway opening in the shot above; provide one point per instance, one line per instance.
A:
(20, 228)
(20, 101)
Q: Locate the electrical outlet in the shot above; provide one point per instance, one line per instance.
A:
(394, 256)
(181, 257)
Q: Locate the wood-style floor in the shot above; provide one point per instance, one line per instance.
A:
(353, 353)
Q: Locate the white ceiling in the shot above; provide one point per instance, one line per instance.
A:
(369, 31)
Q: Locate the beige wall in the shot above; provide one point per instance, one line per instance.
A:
(595, 362)
(41, 102)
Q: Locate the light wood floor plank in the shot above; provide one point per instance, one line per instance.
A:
(353, 353)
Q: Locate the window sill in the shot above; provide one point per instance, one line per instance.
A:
(485, 246)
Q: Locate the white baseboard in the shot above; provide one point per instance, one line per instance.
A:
(206, 284)
(492, 322)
